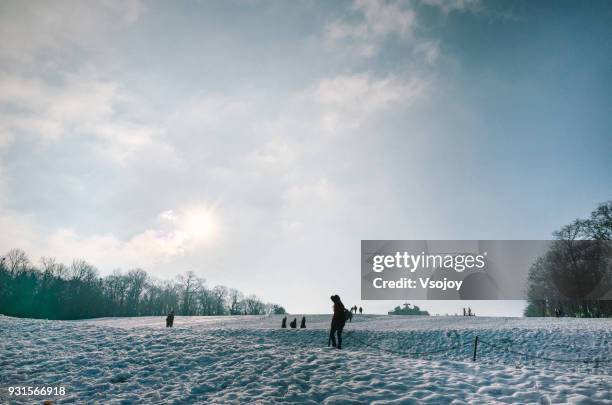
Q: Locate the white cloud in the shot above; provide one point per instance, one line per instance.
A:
(307, 205)
(447, 6)
(183, 232)
(168, 215)
(430, 51)
(51, 111)
(363, 32)
(81, 106)
(44, 31)
(346, 102)
(128, 10)
(208, 112)
(377, 20)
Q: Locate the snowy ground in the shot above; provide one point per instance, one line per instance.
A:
(250, 359)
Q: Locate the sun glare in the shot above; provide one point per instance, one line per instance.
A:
(199, 224)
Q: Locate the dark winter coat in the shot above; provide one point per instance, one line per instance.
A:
(339, 318)
(170, 320)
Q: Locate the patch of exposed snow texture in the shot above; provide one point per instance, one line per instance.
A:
(250, 359)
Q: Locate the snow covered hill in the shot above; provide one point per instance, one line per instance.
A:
(386, 359)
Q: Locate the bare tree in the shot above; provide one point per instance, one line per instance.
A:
(190, 285)
(219, 294)
(235, 299)
(82, 271)
(578, 265)
(17, 261)
(254, 306)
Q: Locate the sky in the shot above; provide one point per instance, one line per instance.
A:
(257, 143)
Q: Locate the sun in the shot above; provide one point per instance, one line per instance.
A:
(199, 224)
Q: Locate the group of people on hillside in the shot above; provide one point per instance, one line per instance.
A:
(354, 310)
(293, 324)
(339, 318)
(468, 312)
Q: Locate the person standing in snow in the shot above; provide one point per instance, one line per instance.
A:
(170, 319)
(293, 323)
(360, 310)
(338, 321)
(303, 323)
(284, 323)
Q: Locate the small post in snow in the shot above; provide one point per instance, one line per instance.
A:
(475, 347)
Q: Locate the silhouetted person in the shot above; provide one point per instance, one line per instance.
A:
(303, 323)
(348, 315)
(337, 323)
(293, 323)
(284, 324)
(360, 310)
(464, 314)
(170, 319)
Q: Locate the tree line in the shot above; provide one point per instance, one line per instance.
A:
(575, 271)
(54, 290)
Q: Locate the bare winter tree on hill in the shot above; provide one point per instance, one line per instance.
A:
(577, 266)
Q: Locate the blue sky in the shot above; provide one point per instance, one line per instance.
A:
(256, 143)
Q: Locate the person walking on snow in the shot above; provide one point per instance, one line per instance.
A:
(338, 321)
(170, 319)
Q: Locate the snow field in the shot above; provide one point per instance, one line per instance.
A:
(250, 359)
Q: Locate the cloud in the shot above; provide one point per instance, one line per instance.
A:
(209, 112)
(363, 31)
(448, 6)
(50, 111)
(306, 205)
(79, 106)
(46, 31)
(429, 50)
(174, 233)
(128, 10)
(346, 102)
(375, 21)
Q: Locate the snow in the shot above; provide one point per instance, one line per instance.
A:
(250, 359)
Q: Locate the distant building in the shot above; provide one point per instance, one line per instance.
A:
(407, 310)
